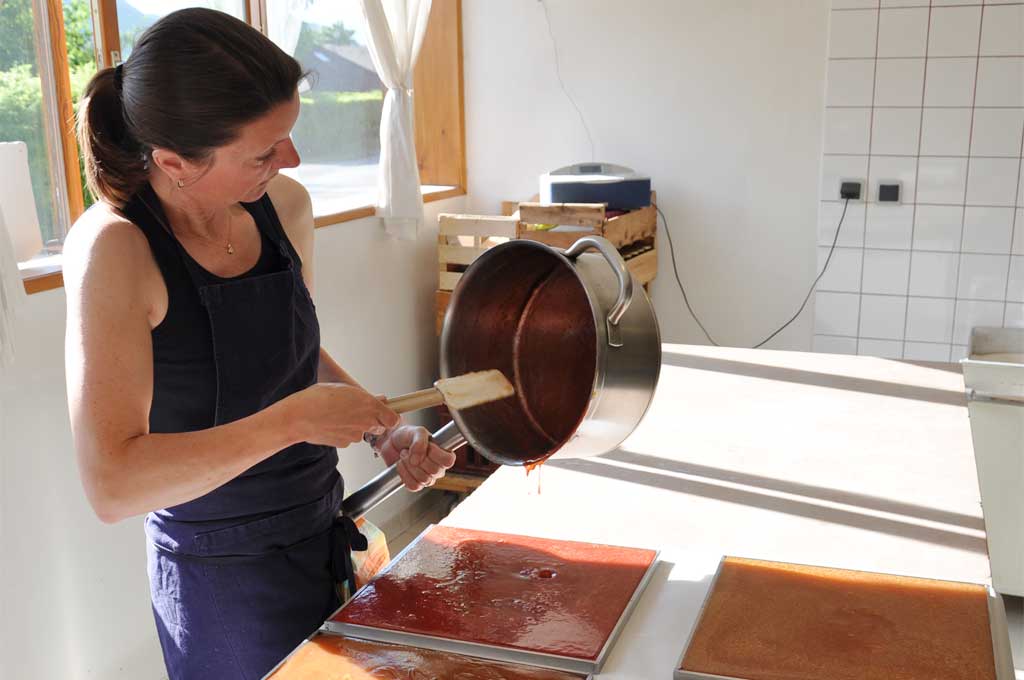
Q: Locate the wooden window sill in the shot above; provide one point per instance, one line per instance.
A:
(47, 274)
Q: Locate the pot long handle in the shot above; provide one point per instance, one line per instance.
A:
(388, 482)
(618, 265)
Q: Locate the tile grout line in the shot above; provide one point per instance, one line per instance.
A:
(967, 178)
(898, 295)
(917, 179)
(908, 106)
(849, 337)
(927, 155)
(867, 174)
(944, 345)
(926, 6)
(934, 251)
(938, 57)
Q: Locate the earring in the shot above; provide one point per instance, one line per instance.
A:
(181, 185)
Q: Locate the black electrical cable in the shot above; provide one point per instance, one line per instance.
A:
(675, 270)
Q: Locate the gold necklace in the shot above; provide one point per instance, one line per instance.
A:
(228, 247)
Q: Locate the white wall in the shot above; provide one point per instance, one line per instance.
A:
(719, 101)
(73, 593)
(930, 97)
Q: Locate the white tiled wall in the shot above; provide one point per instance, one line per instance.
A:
(929, 93)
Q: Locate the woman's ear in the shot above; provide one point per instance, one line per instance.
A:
(173, 165)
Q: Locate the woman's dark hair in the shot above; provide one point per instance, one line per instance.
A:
(192, 81)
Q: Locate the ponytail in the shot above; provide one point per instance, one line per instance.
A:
(115, 163)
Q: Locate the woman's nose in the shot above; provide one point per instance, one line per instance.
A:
(289, 155)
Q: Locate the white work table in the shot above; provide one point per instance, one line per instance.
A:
(853, 462)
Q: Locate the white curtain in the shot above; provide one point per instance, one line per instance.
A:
(284, 22)
(11, 292)
(397, 28)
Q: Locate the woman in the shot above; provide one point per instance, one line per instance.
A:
(198, 389)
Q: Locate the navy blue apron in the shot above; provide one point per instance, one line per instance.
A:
(240, 576)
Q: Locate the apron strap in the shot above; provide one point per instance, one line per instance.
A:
(345, 537)
(151, 202)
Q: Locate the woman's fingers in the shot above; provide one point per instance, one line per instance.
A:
(418, 445)
(419, 474)
(440, 457)
(420, 462)
(408, 479)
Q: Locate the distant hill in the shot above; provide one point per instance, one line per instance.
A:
(129, 18)
(131, 22)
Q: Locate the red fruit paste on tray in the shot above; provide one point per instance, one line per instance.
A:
(770, 620)
(533, 594)
(332, 657)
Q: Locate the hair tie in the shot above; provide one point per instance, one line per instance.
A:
(118, 77)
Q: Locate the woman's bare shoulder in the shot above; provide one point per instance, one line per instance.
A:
(290, 198)
(295, 210)
(103, 244)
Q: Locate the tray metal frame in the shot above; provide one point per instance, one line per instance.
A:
(996, 618)
(322, 631)
(585, 667)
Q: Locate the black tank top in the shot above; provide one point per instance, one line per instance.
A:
(183, 365)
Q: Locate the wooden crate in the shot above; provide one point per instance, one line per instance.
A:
(642, 261)
(442, 297)
(462, 238)
(633, 233)
(585, 219)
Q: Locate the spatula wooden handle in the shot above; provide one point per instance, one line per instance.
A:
(415, 401)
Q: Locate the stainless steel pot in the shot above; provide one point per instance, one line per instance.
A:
(573, 331)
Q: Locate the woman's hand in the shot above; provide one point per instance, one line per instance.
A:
(420, 461)
(337, 414)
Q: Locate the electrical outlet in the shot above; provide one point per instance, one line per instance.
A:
(850, 189)
(889, 192)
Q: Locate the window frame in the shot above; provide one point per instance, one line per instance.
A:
(439, 123)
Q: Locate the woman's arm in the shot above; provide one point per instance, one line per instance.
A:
(113, 288)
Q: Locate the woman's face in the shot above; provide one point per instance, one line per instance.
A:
(241, 170)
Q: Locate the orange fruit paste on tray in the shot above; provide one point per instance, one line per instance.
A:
(332, 657)
(533, 594)
(776, 621)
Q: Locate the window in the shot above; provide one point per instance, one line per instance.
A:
(135, 16)
(47, 59)
(338, 131)
(31, 114)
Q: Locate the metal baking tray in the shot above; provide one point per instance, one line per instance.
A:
(327, 632)
(996, 617)
(557, 662)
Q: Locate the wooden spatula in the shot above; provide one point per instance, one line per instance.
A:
(461, 392)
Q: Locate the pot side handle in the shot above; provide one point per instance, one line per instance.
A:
(618, 265)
